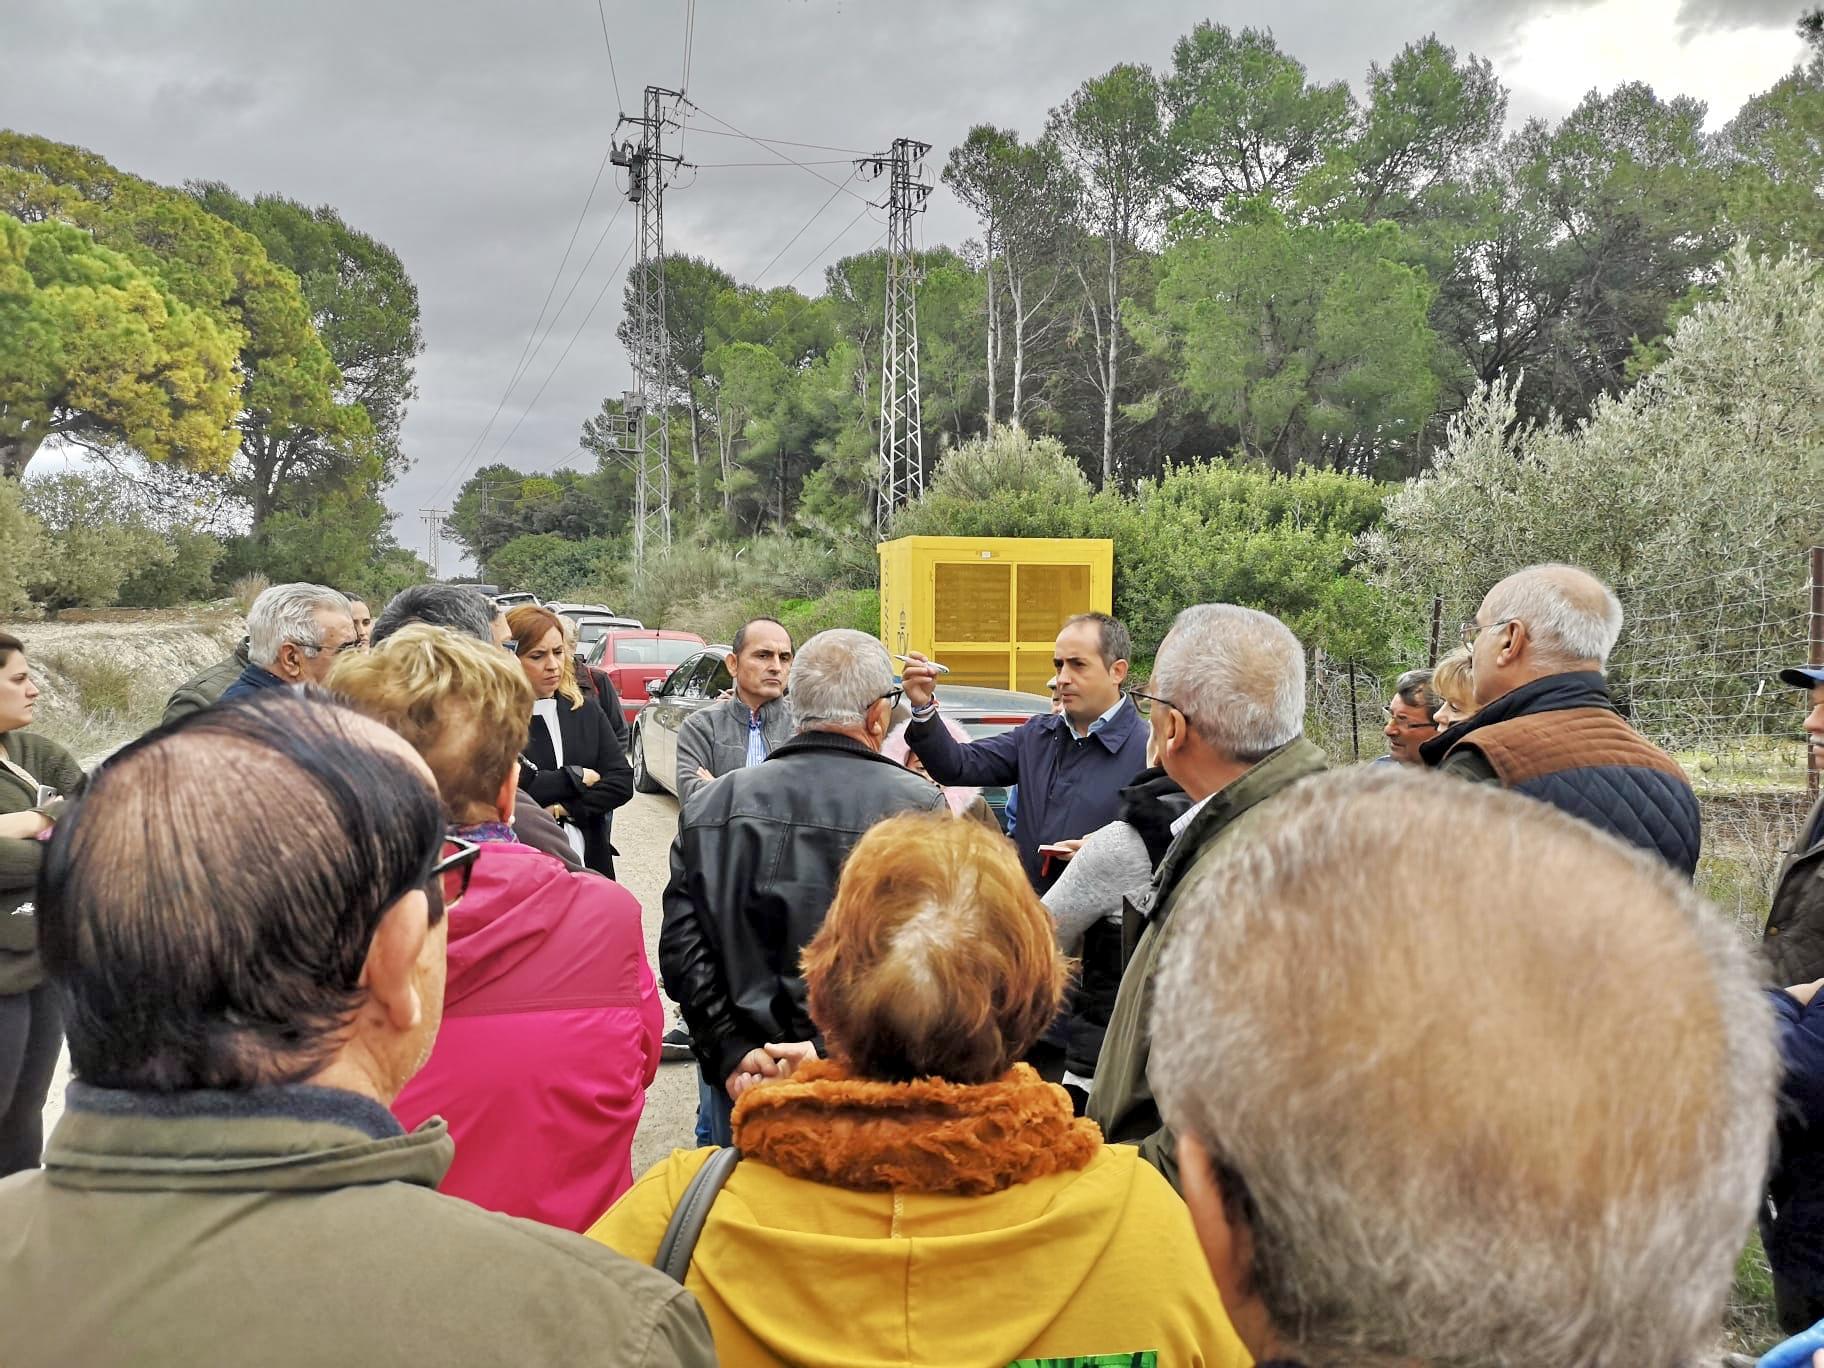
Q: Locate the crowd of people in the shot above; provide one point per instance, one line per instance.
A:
(1221, 1055)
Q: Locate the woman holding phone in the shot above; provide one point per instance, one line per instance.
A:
(36, 774)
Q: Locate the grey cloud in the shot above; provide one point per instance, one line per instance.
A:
(464, 133)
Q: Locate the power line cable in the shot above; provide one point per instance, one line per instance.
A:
(795, 236)
(612, 74)
(782, 142)
(558, 365)
(809, 171)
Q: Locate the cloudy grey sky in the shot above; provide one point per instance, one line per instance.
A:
(466, 134)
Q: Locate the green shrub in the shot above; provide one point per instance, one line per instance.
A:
(21, 544)
(1214, 532)
(189, 577)
(857, 608)
(550, 565)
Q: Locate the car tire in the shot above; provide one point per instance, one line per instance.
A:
(642, 778)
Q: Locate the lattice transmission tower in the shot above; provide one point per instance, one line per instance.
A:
(902, 458)
(649, 408)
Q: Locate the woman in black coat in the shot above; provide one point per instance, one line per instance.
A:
(574, 767)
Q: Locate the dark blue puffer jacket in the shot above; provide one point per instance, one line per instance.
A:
(1560, 740)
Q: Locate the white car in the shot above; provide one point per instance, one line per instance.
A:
(593, 620)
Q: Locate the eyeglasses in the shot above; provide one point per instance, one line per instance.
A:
(1406, 723)
(1471, 629)
(454, 867)
(1143, 702)
(352, 644)
(892, 697)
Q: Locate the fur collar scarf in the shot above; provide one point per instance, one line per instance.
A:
(927, 1136)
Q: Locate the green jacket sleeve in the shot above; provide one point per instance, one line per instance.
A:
(1466, 762)
(680, 1337)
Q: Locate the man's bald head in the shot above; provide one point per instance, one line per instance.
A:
(1510, 1104)
(210, 901)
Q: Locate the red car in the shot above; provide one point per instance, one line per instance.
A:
(633, 656)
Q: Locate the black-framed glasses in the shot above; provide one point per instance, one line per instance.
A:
(1143, 702)
(892, 697)
(454, 867)
(1406, 723)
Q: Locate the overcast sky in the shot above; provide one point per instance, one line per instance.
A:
(466, 134)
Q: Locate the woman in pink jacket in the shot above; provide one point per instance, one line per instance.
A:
(551, 1019)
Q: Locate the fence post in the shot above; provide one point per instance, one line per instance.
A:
(1815, 655)
(1437, 623)
(1355, 720)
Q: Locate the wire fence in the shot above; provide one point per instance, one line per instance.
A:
(1697, 671)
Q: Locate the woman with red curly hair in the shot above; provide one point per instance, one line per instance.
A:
(918, 1195)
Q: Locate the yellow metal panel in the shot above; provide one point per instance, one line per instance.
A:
(989, 607)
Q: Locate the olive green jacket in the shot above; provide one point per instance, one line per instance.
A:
(207, 685)
(50, 764)
(1121, 1102)
(293, 1228)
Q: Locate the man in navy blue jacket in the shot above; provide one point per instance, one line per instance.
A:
(1071, 767)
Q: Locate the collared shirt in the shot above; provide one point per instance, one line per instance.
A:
(756, 739)
(1100, 722)
(1189, 815)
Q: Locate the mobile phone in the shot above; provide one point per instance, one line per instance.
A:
(907, 660)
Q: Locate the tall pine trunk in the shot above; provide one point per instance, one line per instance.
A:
(1112, 369)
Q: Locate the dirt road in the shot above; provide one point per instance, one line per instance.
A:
(642, 832)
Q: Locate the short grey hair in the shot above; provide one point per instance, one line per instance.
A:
(287, 612)
(1414, 688)
(836, 677)
(1238, 676)
(1570, 615)
(1443, 1151)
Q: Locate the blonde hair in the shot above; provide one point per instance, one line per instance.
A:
(1450, 681)
(463, 705)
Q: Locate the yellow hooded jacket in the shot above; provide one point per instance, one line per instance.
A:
(1094, 1266)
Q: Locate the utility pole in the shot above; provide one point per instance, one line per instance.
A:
(646, 162)
(433, 523)
(902, 457)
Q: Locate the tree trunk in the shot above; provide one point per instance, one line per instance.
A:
(1016, 291)
(724, 445)
(1114, 359)
(696, 463)
(994, 327)
(16, 452)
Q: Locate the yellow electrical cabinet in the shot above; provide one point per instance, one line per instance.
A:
(990, 607)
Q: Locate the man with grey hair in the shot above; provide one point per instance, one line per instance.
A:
(1545, 725)
(1226, 704)
(455, 606)
(294, 634)
(755, 862)
(1411, 718)
(1399, 1140)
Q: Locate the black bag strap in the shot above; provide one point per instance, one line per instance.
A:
(686, 1224)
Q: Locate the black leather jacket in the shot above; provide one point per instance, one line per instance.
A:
(753, 871)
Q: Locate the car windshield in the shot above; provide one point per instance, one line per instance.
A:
(653, 651)
(591, 632)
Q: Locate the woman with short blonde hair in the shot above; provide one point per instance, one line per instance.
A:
(544, 963)
(919, 1196)
(1455, 689)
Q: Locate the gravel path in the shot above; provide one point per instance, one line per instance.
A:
(642, 832)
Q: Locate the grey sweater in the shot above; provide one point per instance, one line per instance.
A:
(1111, 863)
